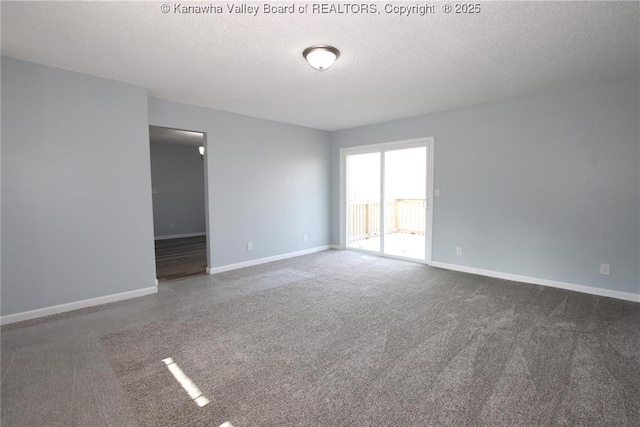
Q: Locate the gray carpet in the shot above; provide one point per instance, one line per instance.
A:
(342, 340)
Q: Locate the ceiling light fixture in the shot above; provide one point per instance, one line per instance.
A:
(321, 56)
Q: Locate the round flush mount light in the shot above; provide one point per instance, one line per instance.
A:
(321, 56)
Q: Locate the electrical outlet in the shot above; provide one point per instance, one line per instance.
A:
(458, 250)
(604, 269)
(249, 246)
(305, 238)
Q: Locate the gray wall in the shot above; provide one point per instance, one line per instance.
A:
(177, 176)
(76, 199)
(268, 182)
(545, 186)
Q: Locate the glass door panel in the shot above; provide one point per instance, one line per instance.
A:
(363, 201)
(405, 194)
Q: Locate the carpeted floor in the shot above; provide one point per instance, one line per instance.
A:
(336, 338)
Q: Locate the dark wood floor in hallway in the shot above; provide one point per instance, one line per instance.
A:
(179, 258)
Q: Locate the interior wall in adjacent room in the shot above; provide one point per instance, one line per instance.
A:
(177, 178)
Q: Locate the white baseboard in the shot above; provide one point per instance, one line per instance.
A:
(179, 236)
(48, 311)
(454, 267)
(253, 262)
(627, 296)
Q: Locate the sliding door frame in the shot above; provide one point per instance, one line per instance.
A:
(382, 148)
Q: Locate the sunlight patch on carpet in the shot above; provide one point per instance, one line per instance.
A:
(186, 383)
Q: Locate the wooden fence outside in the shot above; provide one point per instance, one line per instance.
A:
(401, 216)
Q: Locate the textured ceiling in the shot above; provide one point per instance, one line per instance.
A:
(391, 66)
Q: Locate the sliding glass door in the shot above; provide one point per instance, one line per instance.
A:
(398, 177)
(364, 201)
(405, 196)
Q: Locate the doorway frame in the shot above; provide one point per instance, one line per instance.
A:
(427, 142)
(205, 160)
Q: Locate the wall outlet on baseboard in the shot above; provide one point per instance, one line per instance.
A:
(249, 246)
(305, 238)
(604, 269)
(458, 250)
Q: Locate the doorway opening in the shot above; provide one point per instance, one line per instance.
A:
(386, 193)
(179, 189)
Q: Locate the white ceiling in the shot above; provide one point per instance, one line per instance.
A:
(391, 66)
(175, 136)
